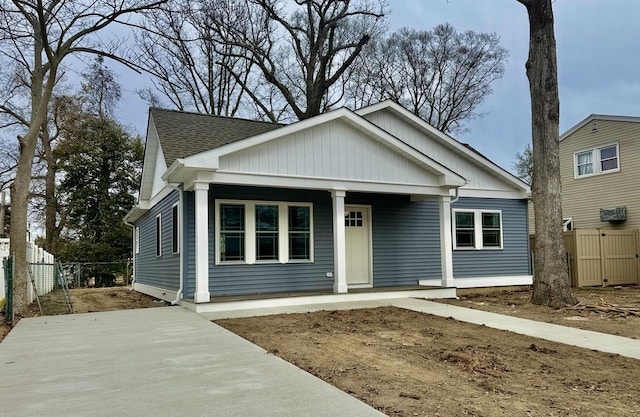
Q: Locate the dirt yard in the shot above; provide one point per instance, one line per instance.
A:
(87, 300)
(410, 364)
(607, 310)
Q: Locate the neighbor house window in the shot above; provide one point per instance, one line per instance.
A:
(159, 235)
(175, 229)
(232, 232)
(597, 161)
(477, 229)
(252, 231)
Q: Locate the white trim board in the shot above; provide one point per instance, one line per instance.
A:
(317, 299)
(481, 282)
(161, 293)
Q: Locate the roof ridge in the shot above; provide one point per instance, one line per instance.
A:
(194, 113)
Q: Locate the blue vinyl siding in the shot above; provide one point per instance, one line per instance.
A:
(513, 258)
(243, 279)
(406, 238)
(164, 271)
(189, 244)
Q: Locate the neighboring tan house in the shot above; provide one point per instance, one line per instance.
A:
(600, 172)
(600, 176)
(347, 200)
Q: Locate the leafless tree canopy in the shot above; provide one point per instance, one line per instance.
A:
(193, 69)
(36, 37)
(441, 75)
(270, 59)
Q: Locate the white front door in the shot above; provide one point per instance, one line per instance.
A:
(358, 245)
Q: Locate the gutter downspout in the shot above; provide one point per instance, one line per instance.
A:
(457, 194)
(180, 238)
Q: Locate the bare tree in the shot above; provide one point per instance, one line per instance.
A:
(301, 49)
(193, 69)
(441, 75)
(523, 165)
(39, 35)
(551, 284)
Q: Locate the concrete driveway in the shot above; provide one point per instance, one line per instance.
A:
(153, 362)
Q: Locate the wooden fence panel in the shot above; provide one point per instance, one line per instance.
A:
(619, 256)
(588, 257)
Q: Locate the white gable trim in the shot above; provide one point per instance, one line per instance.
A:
(593, 117)
(210, 159)
(151, 172)
(445, 139)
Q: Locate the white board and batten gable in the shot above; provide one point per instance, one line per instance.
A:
(337, 150)
(484, 178)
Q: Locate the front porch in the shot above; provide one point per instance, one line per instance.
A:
(316, 298)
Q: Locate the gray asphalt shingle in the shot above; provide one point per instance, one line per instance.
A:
(183, 134)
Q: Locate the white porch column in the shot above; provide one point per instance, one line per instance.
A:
(446, 241)
(201, 191)
(339, 246)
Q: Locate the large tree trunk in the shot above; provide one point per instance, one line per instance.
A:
(551, 284)
(52, 230)
(20, 189)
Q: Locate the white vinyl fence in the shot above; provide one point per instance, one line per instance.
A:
(41, 264)
(4, 253)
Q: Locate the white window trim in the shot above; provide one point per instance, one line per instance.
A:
(178, 235)
(595, 161)
(158, 235)
(477, 229)
(250, 232)
(567, 224)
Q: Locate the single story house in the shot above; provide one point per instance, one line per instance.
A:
(373, 198)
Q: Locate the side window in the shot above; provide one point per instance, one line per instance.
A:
(477, 229)
(465, 229)
(175, 229)
(159, 235)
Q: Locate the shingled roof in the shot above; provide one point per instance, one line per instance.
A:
(183, 134)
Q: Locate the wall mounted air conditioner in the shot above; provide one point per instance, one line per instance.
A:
(616, 214)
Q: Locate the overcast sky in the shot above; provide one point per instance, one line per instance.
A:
(598, 65)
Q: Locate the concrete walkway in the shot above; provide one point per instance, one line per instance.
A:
(568, 335)
(153, 362)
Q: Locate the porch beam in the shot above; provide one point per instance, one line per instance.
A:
(339, 245)
(201, 191)
(446, 242)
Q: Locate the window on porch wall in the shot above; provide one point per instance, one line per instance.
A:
(299, 233)
(232, 233)
(266, 233)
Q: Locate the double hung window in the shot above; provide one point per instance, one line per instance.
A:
(263, 232)
(596, 161)
(477, 229)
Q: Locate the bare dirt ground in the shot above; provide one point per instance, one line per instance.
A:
(410, 364)
(87, 300)
(607, 310)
